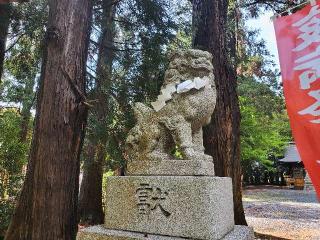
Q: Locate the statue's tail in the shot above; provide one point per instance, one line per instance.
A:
(142, 111)
(133, 142)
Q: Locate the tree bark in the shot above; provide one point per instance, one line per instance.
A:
(90, 205)
(222, 135)
(90, 200)
(5, 10)
(47, 206)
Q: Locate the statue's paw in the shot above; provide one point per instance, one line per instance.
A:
(189, 154)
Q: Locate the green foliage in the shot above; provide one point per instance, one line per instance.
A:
(263, 137)
(22, 63)
(6, 211)
(12, 151)
(13, 156)
(265, 126)
(265, 129)
(181, 41)
(144, 30)
(256, 8)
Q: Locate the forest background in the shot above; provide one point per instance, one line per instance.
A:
(127, 57)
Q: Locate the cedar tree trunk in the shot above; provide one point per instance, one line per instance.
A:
(90, 200)
(4, 26)
(222, 136)
(47, 206)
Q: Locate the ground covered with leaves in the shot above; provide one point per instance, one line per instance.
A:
(282, 213)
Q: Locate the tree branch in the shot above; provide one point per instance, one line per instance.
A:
(14, 43)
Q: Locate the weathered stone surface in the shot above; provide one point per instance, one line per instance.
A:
(191, 207)
(184, 106)
(102, 233)
(171, 168)
(240, 232)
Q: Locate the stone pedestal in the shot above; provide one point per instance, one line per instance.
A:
(191, 207)
(102, 233)
(163, 207)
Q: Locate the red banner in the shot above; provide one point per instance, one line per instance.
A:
(298, 40)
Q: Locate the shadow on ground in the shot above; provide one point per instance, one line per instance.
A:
(260, 236)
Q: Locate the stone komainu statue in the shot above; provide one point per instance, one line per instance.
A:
(185, 105)
(162, 195)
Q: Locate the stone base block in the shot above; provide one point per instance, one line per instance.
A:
(101, 233)
(189, 207)
(170, 168)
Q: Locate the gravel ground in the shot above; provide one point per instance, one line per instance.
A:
(283, 213)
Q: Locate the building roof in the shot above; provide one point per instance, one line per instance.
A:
(291, 154)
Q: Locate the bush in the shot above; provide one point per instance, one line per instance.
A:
(6, 211)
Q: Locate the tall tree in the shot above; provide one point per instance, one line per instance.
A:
(222, 136)
(5, 10)
(47, 206)
(90, 199)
